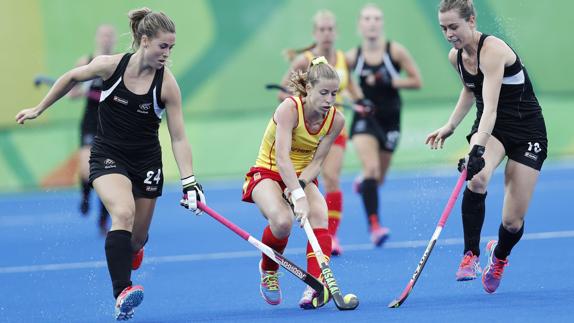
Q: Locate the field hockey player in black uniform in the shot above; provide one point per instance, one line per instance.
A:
(377, 63)
(105, 43)
(509, 123)
(125, 162)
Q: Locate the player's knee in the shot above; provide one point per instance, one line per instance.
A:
(318, 219)
(371, 171)
(478, 182)
(513, 225)
(281, 226)
(123, 216)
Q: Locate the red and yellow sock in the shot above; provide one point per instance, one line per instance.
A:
(334, 206)
(324, 239)
(276, 244)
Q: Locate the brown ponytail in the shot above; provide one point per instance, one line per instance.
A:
(144, 21)
(318, 69)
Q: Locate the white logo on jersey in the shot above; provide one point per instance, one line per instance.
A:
(531, 155)
(109, 163)
(144, 107)
(120, 100)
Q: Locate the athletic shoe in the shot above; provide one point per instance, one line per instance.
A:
(379, 235)
(269, 287)
(128, 300)
(137, 259)
(492, 274)
(469, 267)
(336, 249)
(306, 301)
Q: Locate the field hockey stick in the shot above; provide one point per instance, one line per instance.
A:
(347, 302)
(445, 213)
(281, 88)
(43, 79)
(323, 293)
(272, 86)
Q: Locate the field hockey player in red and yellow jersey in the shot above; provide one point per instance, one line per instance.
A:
(325, 35)
(294, 147)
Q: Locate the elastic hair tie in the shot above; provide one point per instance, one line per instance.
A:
(319, 60)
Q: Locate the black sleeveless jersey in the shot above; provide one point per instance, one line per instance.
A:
(375, 82)
(517, 99)
(128, 123)
(90, 118)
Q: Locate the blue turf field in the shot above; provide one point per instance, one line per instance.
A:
(52, 264)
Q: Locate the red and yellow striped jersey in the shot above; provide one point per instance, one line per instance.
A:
(303, 142)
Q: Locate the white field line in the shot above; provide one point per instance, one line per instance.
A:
(256, 253)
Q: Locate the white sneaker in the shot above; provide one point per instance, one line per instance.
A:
(306, 301)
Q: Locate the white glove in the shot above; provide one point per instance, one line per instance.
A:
(192, 193)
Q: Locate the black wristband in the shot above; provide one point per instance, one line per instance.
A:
(302, 183)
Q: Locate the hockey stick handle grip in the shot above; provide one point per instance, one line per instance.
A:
(242, 233)
(452, 198)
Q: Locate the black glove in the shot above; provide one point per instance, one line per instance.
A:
(474, 162)
(364, 106)
(192, 193)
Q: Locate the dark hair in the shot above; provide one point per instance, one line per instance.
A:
(318, 69)
(465, 8)
(144, 21)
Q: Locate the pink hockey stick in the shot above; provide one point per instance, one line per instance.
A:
(322, 292)
(445, 213)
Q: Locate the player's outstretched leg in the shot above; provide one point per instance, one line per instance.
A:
(469, 267)
(127, 301)
(493, 271)
(269, 287)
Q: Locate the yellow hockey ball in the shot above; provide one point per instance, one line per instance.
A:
(349, 297)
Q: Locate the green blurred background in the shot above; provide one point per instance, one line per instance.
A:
(228, 49)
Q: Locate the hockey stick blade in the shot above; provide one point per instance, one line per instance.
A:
(322, 297)
(446, 212)
(279, 87)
